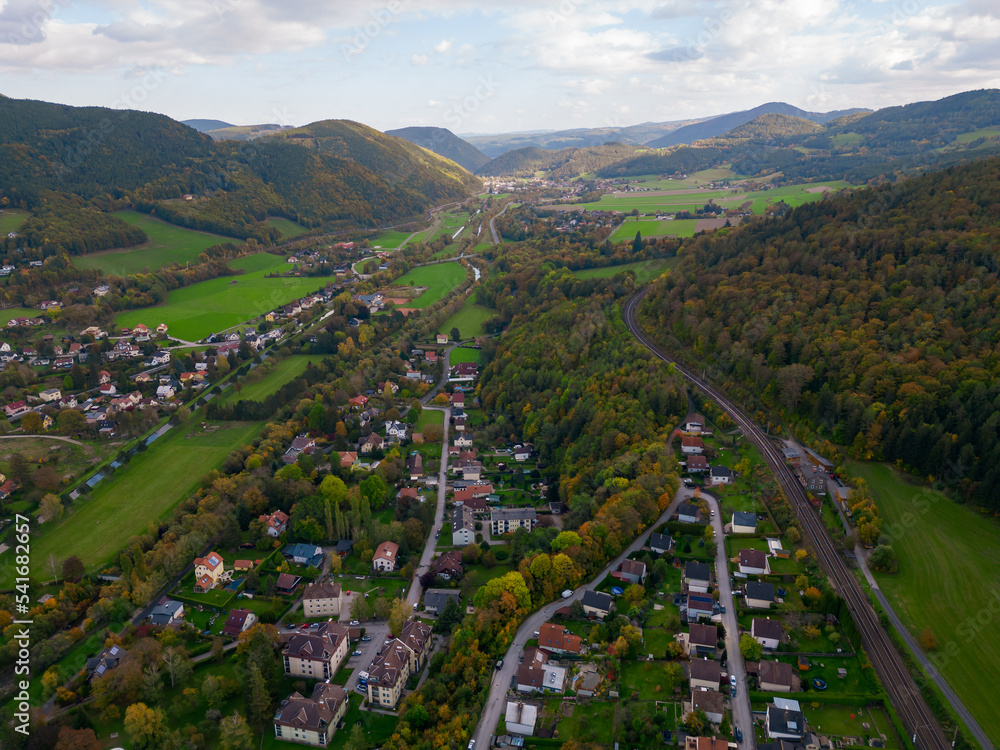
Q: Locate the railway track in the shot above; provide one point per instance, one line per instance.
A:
(900, 687)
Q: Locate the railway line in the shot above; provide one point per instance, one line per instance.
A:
(902, 690)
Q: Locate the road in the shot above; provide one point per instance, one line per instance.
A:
(425, 559)
(42, 437)
(903, 692)
(742, 715)
(502, 678)
(493, 226)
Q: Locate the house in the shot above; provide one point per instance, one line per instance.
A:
(463, 527)
(311, 721)
(348, 459)
(7, 488)
(458, 399)
(597, 604)
(768, 633)
(371, 443)
(239, 621)
(287, 583)
(463, 441)
(705, 743)
(162, 328)
(322, 599)
(358, 402)
(744, 523)
(385, 557)
(705, 674)
(276, 523)
(753, 562)
(633, 571)
(435, 600)
(703, 640)
(395, 430)
(243, 566)
(304, 554)
(784, 720)
(696, 423)
(777, 677)
(416, 636)
(344, 547)
(16, 409)
(49, 395)
(108, 389)
(759, 595)
(816, 484)
(692, 446)
(660, 543)
(472, 491)
(316, 657)
(163, 391)
(388, 673)
(558, 640)
(687, 513)
(523, 452)
(108, 659)
(711, 702)
(720, 475)
(520, 717)
(508, 520)
(166, 612)
(698, 606)
(207, 572)
(697, 464)
(698, 576)
(415, 466)
(441, 339)
(536, 678)
(449, 565)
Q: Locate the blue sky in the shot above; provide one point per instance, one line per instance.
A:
(492, 65)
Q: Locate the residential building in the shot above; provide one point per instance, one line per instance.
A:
(316, 657)
(632, 571)
(415, 466)
(759, 595)
(695, 424)
(395, 430)
(311, 721)
(687, 513)
(508, 520)
(597, 604)
(660, 543)
(387, 674)
(777, 677)
(784, 720)
(711, 702)
(238, 621)
(276, 523)
(703, 640)
(322, 599)
(744, 523)
(287, 583)
(449, 565)
(108, 659)
(558, 640)
(768, 633)
(720, 475)
(385, 557)
(207, 572)
(697, 464)
(304, 554)
(698, 577)
(463, 526)
(692, 445)
(705, 674)
(479, 489)
(520, 717)
(416, 636)
(435, 600)
(166, 612)
(371, 443)
(51, 394)
(753, 562)
(698, 606)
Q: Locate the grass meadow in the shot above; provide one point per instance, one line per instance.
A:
(653, 228)
(469, 320)
(18, 312)
(258, 385)
(645, 270)
(167, 244)
(948, 582)
(438, 279)
(463, 354)
(11, 221)
(390, 240)
(289, 229)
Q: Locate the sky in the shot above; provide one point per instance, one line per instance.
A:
(492, 66)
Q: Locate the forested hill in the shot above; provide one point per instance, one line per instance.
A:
(565, 163)
(872, 316)
(444, 143)
(335, 174)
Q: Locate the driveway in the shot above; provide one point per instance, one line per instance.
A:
(378, 631)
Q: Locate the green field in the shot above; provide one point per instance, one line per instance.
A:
(449, 224)
(974, 135)
(948, 581)
(257, 387)
(469, 320)
(11, 221)
(144, 490)
(645, 270)
(390, 240)
(288, 229)
(462, 354)
(167, 244)
(18, 312)
(694, 180)
(438, 279)
(195, 311)
(429, 416)
(653, 228)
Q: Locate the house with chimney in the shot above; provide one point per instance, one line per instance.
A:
(311, 721)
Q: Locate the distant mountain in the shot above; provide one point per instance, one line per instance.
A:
(723, 124)
(444, 143)
(332, 174)
(245, 132)
(565, 163)
(203, 126)
(635, 135)
(772, 126)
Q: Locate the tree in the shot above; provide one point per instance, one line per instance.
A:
(145, 725)
(382, 608)
(236, 735)
(78, 739)
(178, 664)
(883, 559)
(399, 614)
(750, 648)
(471, 554)
(72, 569)
(637, 243)
(259, 704)
(928, 641)
(456, 335)
(51, 507)
(361, 610)
(31, 423)
(357, 740)
(71, 422)
(793, 535)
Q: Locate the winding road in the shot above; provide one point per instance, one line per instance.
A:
(902, 690)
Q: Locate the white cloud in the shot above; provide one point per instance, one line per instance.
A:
(418, 60)
(443, 46)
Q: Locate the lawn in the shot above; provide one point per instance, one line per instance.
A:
(390, 240)
(463, 354)
(289, 229)
(591, 721)
(144, 490)
(195, 311)
(645, 678)
(18, 312)
(848, 721)
(947, 582)
(653, 228)
(257, 386)
(427, 417)
(438, 280)
(167, 244)
(11, 221)
(645, 270)
(469, 320)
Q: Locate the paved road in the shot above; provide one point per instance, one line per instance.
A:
(502, 678)
(742, 715)
(493, 227)
(425, 559)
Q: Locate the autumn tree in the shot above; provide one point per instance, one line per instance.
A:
(928, 641)
(750, 648)
(77, 739)
(145, 725)
(399, 613)
(73, 569)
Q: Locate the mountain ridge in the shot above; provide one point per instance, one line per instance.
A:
(443, 143)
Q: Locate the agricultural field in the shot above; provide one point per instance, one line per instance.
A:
(258, 384)
(18, 312)
(694, 180)
(11, 221)
(645, 270)
(289, 229)
(449, 223)
(462, 354)
(167, 244)
(653, 228)
(195, 311)
(390, 240)
(144, 490)
(947, 582)
(438, 280)
(469, 320)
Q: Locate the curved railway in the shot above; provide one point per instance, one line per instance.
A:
(900, 687)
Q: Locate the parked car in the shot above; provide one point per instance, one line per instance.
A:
(366, 638)
(356, 653)
(739, 734)
(732, 681)
(354, 623)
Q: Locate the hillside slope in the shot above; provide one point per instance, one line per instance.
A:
(444, 143)
(203, 126)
